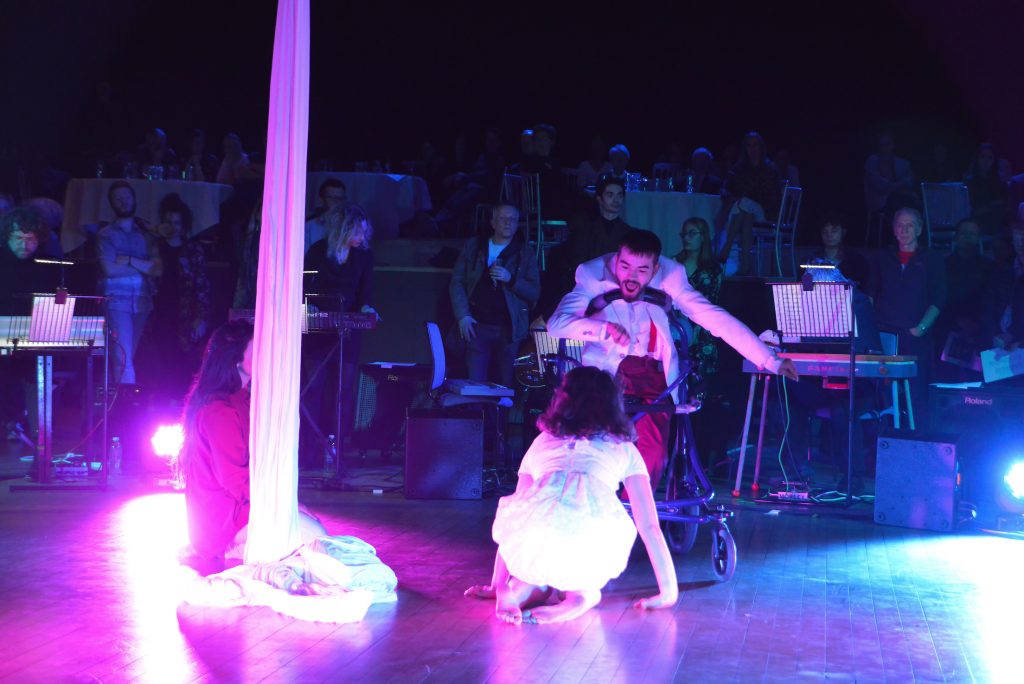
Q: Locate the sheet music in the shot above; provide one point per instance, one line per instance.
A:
(51, 322)
(823, 311)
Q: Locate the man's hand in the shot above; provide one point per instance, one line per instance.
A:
(618, 334)
(466, 328)
(788, 370)
(500, 274)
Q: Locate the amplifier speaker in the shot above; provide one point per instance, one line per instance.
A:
(444, 454)
(916, 481)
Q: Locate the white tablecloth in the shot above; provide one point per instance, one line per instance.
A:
(86, 203)
(663, 213)
(389, 199)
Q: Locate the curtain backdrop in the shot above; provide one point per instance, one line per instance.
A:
(274, 435)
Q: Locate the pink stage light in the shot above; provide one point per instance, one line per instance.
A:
(167, 441)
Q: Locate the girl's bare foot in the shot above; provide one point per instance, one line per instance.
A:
(481, 591)
(510, 600)
(576, 603)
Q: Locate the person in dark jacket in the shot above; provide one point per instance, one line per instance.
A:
(495, 283)
(909, 294)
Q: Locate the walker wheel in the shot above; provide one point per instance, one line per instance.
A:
(682, 535)
(723, 553)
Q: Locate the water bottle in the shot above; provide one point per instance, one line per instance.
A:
(115, 455)
(330, 456)
(689, 183)
(189, 174)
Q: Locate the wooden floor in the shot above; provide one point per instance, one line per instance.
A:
(90, 594)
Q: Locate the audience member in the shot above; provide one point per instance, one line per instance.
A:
(24, 235)
(180, 320)
(343, 279)
(51, 213)
(986, 190)
(525, 145)
(333, 195)
(704, 178)
(155, 151)
(753, 193)
(598, 230)
(495, 283)
(200, 165)
(129, 263)
(6, 202)
(490, 166)
(549, 172)
(432, 168)
(888, 180)
(236, 166)
(1011, 319)
(967, 274)
(704, 274)
(618, 157)
(596, 164)
(909, 293)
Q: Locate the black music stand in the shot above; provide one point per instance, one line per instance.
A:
(811, 310)
(52, 327)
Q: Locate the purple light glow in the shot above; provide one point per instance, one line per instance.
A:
(1014, 479)
(167, 441)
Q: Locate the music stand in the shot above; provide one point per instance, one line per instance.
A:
(52, 326)
(812, 310)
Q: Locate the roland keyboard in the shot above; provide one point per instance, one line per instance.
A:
(838, 365)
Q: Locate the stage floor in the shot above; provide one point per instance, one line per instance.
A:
(90, 595)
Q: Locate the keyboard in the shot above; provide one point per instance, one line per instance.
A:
(472, 388)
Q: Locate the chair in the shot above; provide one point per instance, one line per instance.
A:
(945, 205)
(523, 191)
(444, 398)
(782, 232)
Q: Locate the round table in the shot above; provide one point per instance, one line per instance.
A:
(663, 213)
(86, 204)
(388, 198)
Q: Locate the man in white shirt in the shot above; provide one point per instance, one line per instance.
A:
(618, 308)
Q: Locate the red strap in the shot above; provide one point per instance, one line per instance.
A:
(652, 344)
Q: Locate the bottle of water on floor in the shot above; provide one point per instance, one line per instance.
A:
(115, 455)
(331, 456)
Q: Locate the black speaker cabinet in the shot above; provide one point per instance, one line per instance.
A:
(916, 480)
(444, 454)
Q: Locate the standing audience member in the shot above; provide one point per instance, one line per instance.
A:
(753, 192)
(343, 265)
(181, 306)
(909, 295)
(595, 165)
(333, 195)
(495, 283)
(129, 264)
(987, 191)
(888, 179)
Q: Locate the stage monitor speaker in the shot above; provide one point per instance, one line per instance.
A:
(444, 454)
(385, 394)
(916, 480)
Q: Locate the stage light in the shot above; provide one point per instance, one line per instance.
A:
(167, 441)
(1014, 479)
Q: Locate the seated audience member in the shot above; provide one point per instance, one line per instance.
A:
(432, 168)
(549, 171)
(1011, 319)
(181, 306)
(199, 165)
(618, 157)
(704, 179)
(888, 179)
(704, 274)
(494, 285)
(237, 166)
(909, 294)
(215, 456)
(156, 151)
(52, 215)
(986, 190)
(939, 168)
(563, 535)
(343, 264)
(597, 164)
(333, 194)
(490, 167)
(833, 249)
(752, 192)
(787, 171)
(129, 264)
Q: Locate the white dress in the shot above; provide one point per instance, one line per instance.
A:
(569, 530)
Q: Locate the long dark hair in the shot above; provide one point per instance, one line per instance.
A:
(587, 403)
(218, 375)
(705, 259)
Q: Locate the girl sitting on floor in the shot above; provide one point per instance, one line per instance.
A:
(564, 533)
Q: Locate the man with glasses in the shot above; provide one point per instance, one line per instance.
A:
(495, 283)
(333, 194)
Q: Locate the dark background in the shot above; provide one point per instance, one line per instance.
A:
(387, 76)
